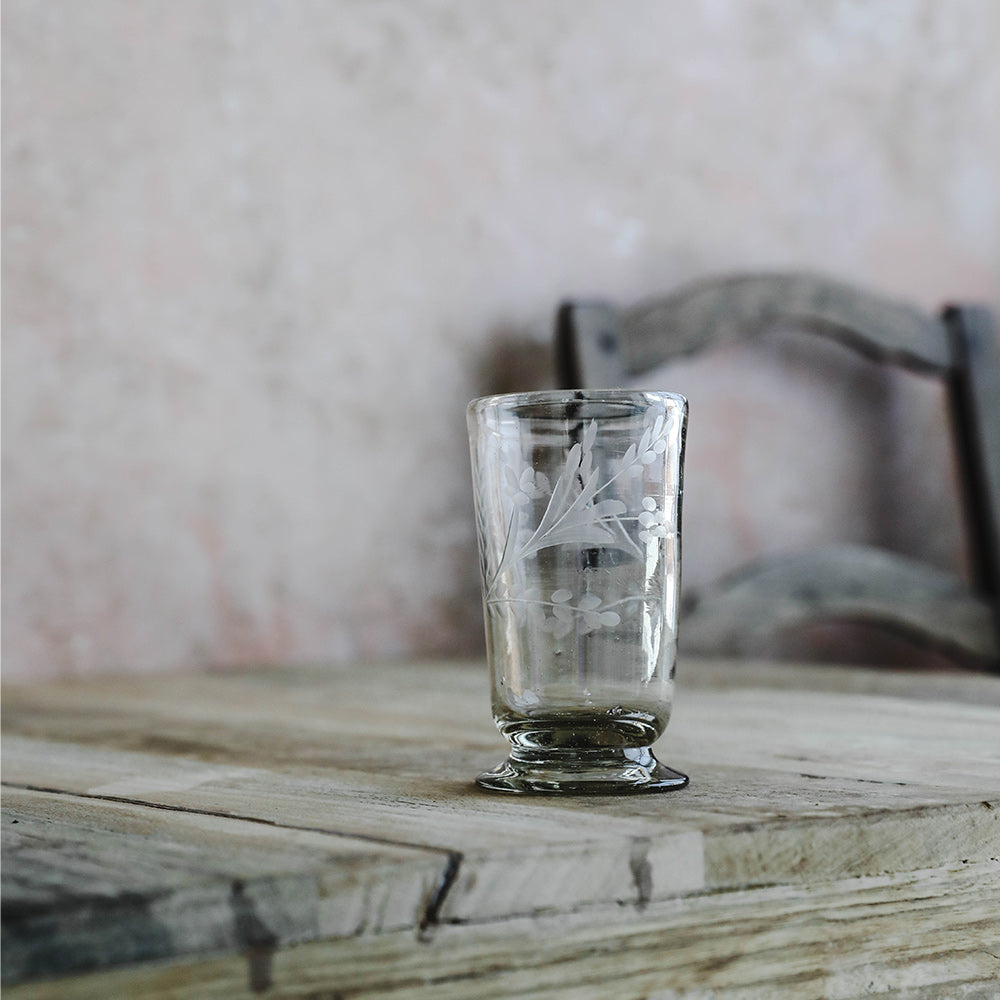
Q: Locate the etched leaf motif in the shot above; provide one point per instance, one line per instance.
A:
(573, 515)
(521, 488)
(561, 493)
(609, 508)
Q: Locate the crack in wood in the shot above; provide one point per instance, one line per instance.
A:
(863, 781)
(242, 817)
(642, 871)
(258, 940)
(432, 911)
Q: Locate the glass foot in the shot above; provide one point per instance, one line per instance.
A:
(589, 772)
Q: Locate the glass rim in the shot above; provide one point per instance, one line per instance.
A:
(643, 397)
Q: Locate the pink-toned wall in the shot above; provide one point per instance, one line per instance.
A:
(258, 255)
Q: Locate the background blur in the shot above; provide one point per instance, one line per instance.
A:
(259, 255)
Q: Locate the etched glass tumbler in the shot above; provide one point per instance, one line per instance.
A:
(578, 500)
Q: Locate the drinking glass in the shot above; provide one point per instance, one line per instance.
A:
(578, 502)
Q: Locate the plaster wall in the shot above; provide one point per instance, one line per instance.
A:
(258, 256)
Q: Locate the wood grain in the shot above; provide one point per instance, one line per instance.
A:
(324, 806)
(91, 882)
(929, 934)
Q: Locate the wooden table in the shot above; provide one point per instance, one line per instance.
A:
(317, 834)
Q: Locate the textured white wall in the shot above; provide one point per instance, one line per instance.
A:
(258, 255)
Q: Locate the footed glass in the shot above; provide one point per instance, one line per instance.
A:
(578, 501)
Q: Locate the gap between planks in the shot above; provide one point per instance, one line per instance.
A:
(242, 817)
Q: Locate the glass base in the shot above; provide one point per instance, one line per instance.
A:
(588, 772)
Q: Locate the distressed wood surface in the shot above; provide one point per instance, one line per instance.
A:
(101, 882)
(287, 833)
(923, 936)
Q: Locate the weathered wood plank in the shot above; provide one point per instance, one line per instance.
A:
(824, 761)
(522, 858)
(928, 934)
(761, 824)
(790, 786)
(89, 883)
(930, 729)
(313, 693)
(942, 687)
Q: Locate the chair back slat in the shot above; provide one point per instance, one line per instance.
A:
(599, 346)
(712, 313)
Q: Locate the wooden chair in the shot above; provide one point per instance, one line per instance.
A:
(599, 346)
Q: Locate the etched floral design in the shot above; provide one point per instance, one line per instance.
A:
(652, 521)
(584, 612)
(528, 486)
(651, 444)
(575, 513)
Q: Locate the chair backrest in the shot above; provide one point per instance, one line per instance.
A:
(600, 346)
